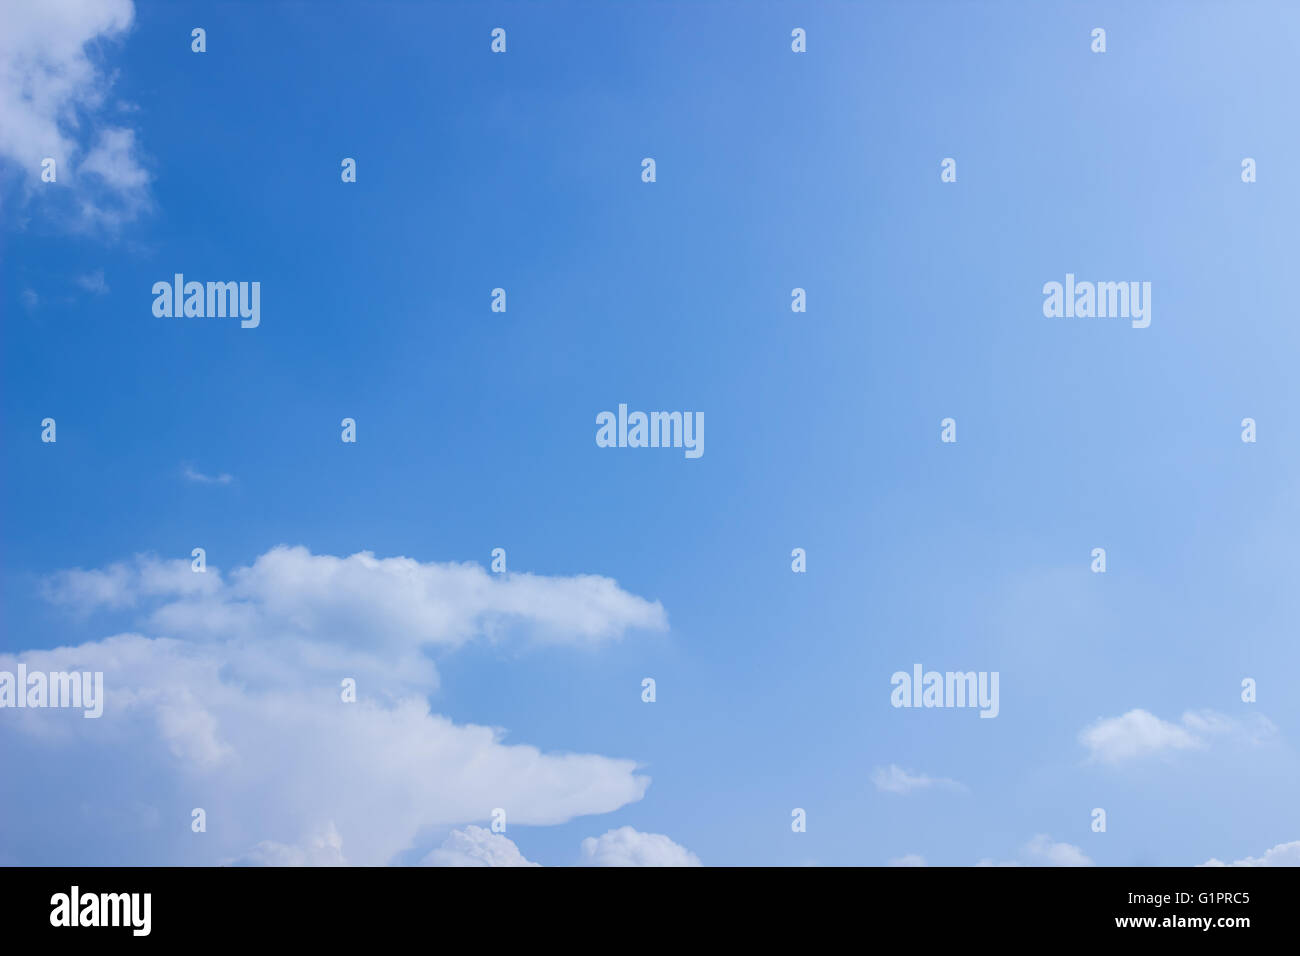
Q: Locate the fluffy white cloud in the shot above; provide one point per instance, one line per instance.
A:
(323, 849)
(626, 846)
(476, 846)
(894, 779)
(52, 96)
(237, 710)
(1284, 854)
(1139, 733)
(393, 601)
(372, 618)
(910, 859)
(1042, 851)
(629, 847)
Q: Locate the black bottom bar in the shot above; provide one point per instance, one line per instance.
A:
(1219, 905)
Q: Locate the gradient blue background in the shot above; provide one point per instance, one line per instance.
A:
(775, 170)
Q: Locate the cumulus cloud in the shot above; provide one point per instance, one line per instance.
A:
(629, 847)
(1043, 851)
(1140, 733)
(53, 99)
(235, 707)
(323, 849)
(910, 859)
(375, 618)
(1284, 854)
(894, 779)
(626, 846)
(476, 846)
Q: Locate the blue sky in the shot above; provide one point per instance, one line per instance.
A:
(775, 170)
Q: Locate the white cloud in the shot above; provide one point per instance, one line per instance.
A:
(476, 846)
(911, 859)
(377, 617)
(237, 710)
(323, 849)
(93, 282)
(1139, 733)
(51, 93)
(193, 474)
(1284, 854)
(894, 779)
(629, 847)
(1042, 851)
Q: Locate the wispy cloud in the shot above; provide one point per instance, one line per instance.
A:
(1140, 733)
(193, 474)
(94, 282)
(894, 779)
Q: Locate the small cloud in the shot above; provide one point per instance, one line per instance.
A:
(1042, 851)
(911, 859)
(895, 779)
(191, 474)
(94, 282)
(475, 846)
(1284, 854)
(630, 847)
(30, 299)
(1140, 733)
(322, 849)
